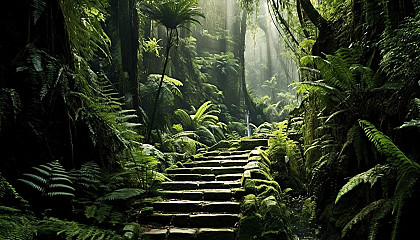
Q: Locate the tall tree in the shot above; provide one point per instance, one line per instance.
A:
(173, 15)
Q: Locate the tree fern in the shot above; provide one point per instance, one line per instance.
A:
(50, 180)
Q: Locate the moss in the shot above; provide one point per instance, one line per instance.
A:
(266, 191)
(249, 144)
(253, 184)
(249, 205)
(274, 215)
(249, 185)
(223, 144)
(249, 227)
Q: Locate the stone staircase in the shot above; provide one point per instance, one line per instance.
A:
(203, 200)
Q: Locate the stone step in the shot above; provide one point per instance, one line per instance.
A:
(189, 206)
(189, 233)
(216, 163)
(226, 153)
(194, 220)
(190, 185)
(192, 177)
(206, 194)
(229, 177)
(230, 157)
(206, 170)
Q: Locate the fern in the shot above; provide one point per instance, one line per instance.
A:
(123, 194)
(379, 215)
(50, 180)
(87, 177)
(363, 214)
(408, 173)
(38, 7)
(16, 227)
(53, 228)
(10, 104)
(386, 147)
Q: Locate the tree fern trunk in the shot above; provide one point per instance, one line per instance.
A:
(155, 105)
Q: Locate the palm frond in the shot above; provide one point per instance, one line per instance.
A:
(173, 14)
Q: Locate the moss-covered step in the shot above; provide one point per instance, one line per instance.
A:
(190, 233)
(189, 206)
(206, 170)
(216, 163)
(181, 233)
(229, 157)
(222, 157)
(192, 177)
(226, 153)
(185, 177)
(155, 234)
(205, 194)
(215, 234)
(213, 220)
(249, 144)
(195, 220)
(229, 177)
(191, 185)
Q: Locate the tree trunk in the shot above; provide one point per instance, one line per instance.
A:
(128, 33)
(155, 105)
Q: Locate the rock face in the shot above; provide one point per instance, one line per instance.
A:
(203, 200)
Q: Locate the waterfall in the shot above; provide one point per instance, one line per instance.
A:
(247, 123)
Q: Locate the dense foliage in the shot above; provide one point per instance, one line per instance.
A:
(98, 98)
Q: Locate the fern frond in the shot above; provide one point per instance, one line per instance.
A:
(370, 176)
(31, 184)
(405, 187)
(36, 177)
(379, 215)
(53, 194)
(123, 194)
(38, 7)
(201, 110)
(50, 180)
(412, 123)
(363, 214)
(386, 146)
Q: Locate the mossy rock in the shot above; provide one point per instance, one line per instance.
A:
(273, 214)
(249, 144)
(255, 174)
(249, 205)
(235, 146)
(250, 227)
(265, 191)
(254, 185)
(223, 144)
